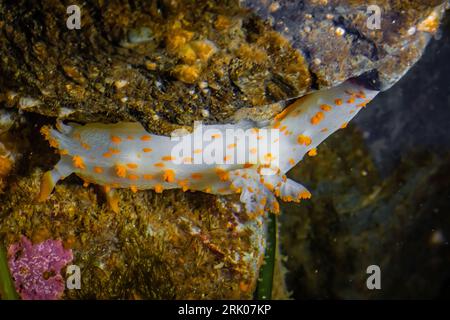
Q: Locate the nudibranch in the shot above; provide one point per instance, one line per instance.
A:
(125, 155)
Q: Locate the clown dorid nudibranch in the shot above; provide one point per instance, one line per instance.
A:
(125, 155)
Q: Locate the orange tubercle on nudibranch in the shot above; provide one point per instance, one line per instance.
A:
(325, 107)
(133, 177)
(222, 174)
(317, 118)
(114, 151)
(312, 152)
(197, 176)
(45, 131)
(116, 139)
(184, 184)
(85, 146)
(304, 195)
(132, 165)
(98, 170)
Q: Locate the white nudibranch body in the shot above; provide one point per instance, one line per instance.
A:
(125, 155)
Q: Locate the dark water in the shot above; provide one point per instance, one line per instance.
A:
(415, 113)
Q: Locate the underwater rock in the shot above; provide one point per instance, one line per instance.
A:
(381, 197)
(198, 60)
(340, 39)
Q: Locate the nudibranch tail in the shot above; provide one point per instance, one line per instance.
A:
(64, 166)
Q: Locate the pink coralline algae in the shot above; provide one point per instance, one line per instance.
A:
(36, 268)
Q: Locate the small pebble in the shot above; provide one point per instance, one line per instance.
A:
(119, 84)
